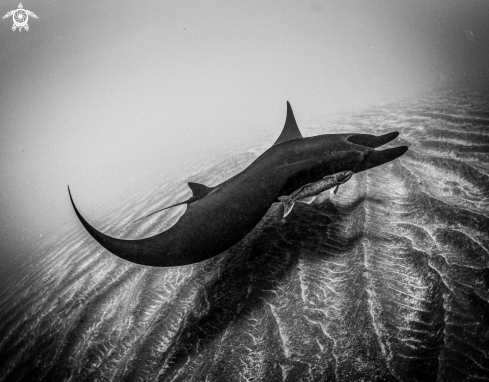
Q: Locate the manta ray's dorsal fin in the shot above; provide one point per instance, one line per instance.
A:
(199, 190)
(290, 130)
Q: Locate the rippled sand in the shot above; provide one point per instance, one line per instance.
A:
(387, 280)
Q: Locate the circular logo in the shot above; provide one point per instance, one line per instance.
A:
(20, 18)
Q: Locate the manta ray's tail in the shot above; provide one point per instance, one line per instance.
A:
(152, 213)
(288, 204)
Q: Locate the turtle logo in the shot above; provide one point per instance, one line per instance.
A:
(20, 17)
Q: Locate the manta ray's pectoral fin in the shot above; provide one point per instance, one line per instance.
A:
(291, 130)
(308, 199)
(288, 204)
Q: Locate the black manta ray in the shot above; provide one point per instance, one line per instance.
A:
(218, 217)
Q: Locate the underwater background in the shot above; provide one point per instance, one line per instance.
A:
(127, 101)
(387, 280)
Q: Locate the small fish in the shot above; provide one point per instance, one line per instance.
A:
(309, 192)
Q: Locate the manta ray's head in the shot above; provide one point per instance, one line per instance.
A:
(343, 177)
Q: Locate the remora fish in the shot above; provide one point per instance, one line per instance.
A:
(218, 217)
(309, 192)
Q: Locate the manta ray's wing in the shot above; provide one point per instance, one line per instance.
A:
(165, 249)
(32, 14)
(291, 130)
(9, 14)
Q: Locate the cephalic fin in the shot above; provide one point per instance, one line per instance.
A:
(372, 141)
(291, 130)
(378, 158)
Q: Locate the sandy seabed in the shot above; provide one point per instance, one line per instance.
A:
(387, 280)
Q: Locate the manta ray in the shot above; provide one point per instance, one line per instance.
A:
(218, 217)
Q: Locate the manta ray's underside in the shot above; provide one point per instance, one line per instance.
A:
(218, 217)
